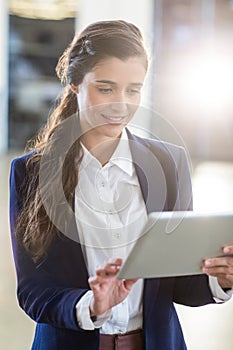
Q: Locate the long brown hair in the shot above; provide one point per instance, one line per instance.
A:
(117, 38)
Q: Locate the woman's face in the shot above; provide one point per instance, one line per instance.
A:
(109, 96)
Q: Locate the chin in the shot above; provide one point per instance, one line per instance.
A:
(113, 131)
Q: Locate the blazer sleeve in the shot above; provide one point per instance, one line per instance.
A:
(44, 298)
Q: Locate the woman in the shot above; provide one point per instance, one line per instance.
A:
(81, 197)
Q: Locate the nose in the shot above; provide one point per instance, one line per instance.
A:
(120, 108)
(119, 104)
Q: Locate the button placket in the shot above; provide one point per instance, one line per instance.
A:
(117, 235)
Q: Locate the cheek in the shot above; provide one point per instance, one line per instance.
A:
(135, 104)
(93, 100)
(135, 100)
(87, 98)
(99, 99)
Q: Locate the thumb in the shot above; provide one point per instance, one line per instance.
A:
(128, 284)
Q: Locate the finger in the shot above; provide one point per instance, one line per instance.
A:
(109, 262)
(114, 261)
(128, 284)
(93, 281)
(228, 249)
(217, 271)
(215, 262)
(109, 270)
(225, 281)
(97, 280)
(94, 284)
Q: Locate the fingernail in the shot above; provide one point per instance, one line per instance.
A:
(208, 262)
(226, 250)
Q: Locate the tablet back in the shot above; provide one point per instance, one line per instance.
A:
(175, 243)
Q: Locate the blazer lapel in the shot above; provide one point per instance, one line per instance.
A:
(150, 175)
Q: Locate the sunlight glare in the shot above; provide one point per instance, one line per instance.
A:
(213, 187)
(208, 82)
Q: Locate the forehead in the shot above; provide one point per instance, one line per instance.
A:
(131, 70)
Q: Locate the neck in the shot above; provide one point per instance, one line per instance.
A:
(101, 148)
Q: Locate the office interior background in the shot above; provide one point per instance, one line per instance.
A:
(188, 100)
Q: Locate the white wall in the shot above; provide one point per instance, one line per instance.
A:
(140, 12)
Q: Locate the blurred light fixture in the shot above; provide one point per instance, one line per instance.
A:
(44, 9)
(206, 81)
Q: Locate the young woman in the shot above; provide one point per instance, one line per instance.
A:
(80, 198)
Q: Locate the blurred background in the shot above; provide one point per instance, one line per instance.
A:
(188, 99)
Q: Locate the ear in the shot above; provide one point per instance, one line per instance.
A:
(74, 88)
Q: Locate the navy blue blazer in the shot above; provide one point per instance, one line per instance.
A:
(49, 290)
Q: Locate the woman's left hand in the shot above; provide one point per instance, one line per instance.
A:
(221, 267)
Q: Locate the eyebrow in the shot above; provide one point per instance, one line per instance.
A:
(114, 83)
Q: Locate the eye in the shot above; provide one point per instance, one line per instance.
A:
(106, 91)
(133, 92)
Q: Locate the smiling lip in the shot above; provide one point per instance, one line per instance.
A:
(112, 119)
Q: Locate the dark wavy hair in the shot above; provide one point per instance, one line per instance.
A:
(100, 40)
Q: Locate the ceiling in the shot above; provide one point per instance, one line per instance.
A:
(44, 9)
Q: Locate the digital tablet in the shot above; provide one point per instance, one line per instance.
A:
(175, 244)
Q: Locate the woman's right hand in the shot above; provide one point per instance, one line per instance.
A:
(108, 291)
